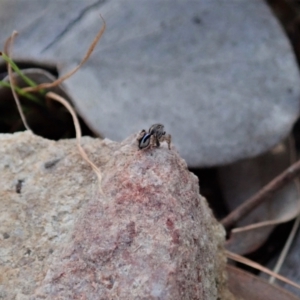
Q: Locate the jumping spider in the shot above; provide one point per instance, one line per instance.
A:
(153, 137)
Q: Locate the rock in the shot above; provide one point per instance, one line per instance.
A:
(221, 76)
(152, 236)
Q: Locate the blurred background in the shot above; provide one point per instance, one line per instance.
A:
(222, 76)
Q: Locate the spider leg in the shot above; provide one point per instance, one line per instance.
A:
(166, 138)
(152, 141)
(141, 135)
(157, 142)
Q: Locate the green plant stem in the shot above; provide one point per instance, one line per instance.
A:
(21, 92)
(18, 71)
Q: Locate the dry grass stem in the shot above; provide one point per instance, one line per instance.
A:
(294, 230)
(72, 72)
(265, 193)
(250, 263)
(83, 154)
(8, 49)
(53, 96)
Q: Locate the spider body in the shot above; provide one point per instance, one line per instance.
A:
(153, 137)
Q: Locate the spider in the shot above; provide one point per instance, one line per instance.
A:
(153, 137)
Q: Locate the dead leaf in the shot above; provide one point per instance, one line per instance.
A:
(249, 287)
(244, 179)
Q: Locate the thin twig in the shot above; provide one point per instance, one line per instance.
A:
(69, 74)
(292, 234)
(265, 193)
(8, 47)
(259, 267)
(66, 104)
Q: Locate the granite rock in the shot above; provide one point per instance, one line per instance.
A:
(150, 236)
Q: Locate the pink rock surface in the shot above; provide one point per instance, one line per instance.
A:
(152, 236)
